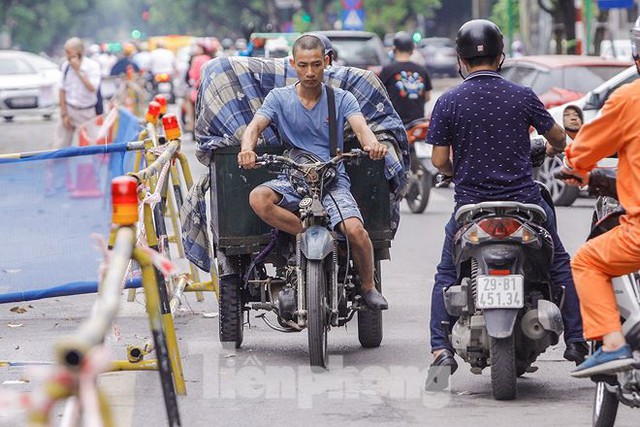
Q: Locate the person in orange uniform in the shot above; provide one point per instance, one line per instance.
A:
(616, 252)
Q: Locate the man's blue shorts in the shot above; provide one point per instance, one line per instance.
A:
(348, 208)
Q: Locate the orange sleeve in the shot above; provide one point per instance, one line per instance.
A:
(601, 137)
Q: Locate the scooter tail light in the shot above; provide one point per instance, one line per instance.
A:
(475, 234)
(495, 272)
(160, 78)
(499, 227)
(420, 133)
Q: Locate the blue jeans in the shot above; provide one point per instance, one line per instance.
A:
(560, 276)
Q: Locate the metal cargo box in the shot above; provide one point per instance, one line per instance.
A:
(238, 230)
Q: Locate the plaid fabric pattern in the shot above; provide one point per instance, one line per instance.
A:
(193, 217)
(232, 89)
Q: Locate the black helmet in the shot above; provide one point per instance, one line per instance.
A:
(635, 40)
(403, 41)
(478, 38)
(328, 48)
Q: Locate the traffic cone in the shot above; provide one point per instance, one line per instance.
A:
(86, 182)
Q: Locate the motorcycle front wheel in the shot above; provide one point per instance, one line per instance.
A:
(503, 368)
(370, 321)
(419, 189)
(605, 407)
(317, 327)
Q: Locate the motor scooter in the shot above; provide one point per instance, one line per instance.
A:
(422, 172)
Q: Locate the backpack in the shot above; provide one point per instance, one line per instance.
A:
(99, 104)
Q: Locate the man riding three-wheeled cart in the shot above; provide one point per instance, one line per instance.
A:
(323, 161)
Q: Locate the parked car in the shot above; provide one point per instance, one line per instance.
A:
(440, 56)
(28, 85)
(558, 79)
(591, 104)
(359, 49)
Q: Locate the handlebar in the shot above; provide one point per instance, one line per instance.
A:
(563, 176)
(271, 159)
(602, 182)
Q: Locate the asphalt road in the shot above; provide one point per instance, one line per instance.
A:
(268, 382)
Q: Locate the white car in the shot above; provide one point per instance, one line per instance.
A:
(591, 104)
(29, 85)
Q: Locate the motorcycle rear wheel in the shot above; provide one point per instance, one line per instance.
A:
(317, 327)
(605, 407)
(231, 318)
(503, 368)
(420, 188)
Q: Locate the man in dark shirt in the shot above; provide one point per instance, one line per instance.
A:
(120, 67)
(408, 83)
(485, 121)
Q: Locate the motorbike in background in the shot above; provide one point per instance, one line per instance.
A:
(623, 387)
(161, 84)
(422, 172)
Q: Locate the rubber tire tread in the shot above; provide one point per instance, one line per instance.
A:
(424, 190)
(316, 285)
(609, 409)
(231, 318)
(370, 332)
(503, 368)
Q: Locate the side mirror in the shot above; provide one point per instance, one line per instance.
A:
(592, 103)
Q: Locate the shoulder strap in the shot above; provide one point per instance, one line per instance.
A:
(333, 126)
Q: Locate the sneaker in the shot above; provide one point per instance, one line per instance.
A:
(605, 362)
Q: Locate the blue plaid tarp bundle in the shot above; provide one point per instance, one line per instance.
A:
(231, 91)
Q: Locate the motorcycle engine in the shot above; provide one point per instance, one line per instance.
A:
(287, 303)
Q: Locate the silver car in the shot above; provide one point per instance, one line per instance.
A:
(440, 56)
(28, 85)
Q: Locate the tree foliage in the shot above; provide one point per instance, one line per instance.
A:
(500, 15)
(394, 15)
(38, 25)
(44, 25)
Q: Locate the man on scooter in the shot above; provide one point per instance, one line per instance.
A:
(617, 252)
(300, 111)
(485, 121)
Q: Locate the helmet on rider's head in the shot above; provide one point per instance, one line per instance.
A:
(479, 38)
(635, 40)
(403, 42)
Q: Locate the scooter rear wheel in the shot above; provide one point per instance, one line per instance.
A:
(503, 368)
(419, 189)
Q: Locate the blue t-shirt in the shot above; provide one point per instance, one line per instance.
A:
(308, 129)
(486, 121)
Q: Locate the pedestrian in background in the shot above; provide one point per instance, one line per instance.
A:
(78, 92)
(408, 83)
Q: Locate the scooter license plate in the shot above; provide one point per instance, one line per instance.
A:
(423, 150)
(500, 291)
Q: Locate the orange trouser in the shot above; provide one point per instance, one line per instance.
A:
(612, 254)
